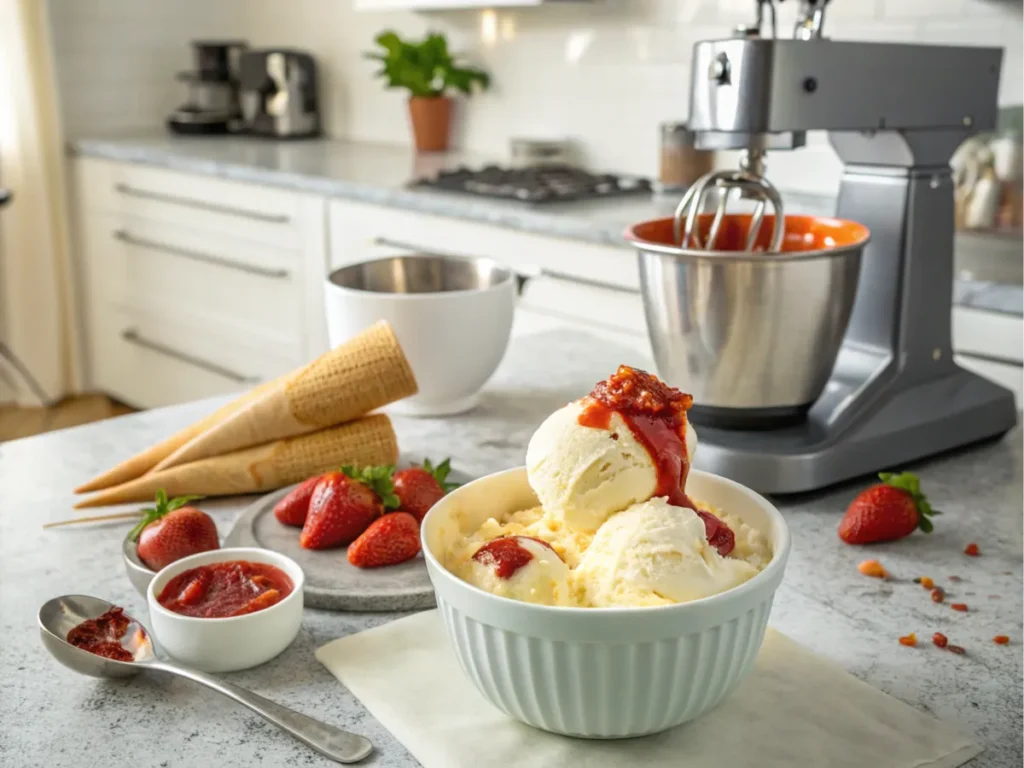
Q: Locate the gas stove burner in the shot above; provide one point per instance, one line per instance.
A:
(538, 184)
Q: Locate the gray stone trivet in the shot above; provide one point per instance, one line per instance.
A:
(332, 582)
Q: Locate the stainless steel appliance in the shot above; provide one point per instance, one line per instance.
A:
(279, 94)
(680, 163)
(212, 106)
(790, 402)
(545, 183)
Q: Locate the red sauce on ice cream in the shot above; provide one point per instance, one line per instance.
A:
(656, 415)
(103, 634)
(221, 590)
(506, 555)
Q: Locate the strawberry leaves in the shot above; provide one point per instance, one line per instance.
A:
(440, 473)
(163, 506)
(378, 480)
(911, 484)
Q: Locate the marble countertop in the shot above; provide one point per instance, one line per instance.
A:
(49, 716)
(380, 173)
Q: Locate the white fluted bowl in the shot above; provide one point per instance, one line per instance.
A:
(601, 672)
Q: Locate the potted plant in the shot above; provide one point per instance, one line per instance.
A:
(428, 71)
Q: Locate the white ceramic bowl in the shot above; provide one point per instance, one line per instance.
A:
(602, 672)
(237, 642)
(139, 574)
(453, 317)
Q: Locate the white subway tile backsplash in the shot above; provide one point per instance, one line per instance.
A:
(924, 9)
(604, 72)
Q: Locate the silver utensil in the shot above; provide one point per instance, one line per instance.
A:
(747, 183)
(60, 615)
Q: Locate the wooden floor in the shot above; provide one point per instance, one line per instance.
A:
(17, 422)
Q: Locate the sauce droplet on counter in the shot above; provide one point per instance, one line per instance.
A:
(656, 415)
(506, 555)
(220, 590)
(102, 635)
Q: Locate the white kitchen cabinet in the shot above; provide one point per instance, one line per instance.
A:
(193, 286)
(992, 345)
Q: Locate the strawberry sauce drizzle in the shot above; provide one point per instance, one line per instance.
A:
(656, 415)
(506, 555)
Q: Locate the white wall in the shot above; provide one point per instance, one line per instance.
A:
(604, 72)
(116, 59)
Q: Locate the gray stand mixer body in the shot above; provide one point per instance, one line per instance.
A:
(895, 114)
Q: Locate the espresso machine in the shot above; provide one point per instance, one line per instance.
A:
(810, 367)
(212, 106)
(279, 94)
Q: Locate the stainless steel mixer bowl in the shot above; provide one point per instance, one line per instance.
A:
(752, 336)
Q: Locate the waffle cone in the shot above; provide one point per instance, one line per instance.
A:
(366, 441)
(142, 463)
(368, 371)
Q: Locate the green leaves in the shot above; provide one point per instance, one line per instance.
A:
(440, 473)
(909, 482)
(163, 507)
(463, 79)
(424, 68)
(377, 479)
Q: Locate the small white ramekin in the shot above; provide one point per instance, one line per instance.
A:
(601, 672)
(236, 642)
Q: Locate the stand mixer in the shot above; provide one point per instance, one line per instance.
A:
(812, 364)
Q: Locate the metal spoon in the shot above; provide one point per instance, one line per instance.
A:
(60, 615)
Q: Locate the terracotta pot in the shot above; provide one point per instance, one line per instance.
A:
(431, 118)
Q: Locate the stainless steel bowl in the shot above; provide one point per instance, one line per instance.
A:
(752, 336)
(421, 273)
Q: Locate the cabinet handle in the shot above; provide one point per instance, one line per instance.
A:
(132, 336)
(206, 258)
(271, 218)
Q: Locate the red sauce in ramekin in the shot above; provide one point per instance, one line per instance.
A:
(222, 590)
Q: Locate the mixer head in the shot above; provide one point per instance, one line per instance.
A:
(718, 190)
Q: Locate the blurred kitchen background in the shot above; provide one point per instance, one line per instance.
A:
(182, 267)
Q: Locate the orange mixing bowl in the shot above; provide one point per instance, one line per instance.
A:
(803, 234)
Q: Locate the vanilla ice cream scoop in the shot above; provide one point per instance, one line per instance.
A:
(520, 568)
(654, 553)
(584, 474)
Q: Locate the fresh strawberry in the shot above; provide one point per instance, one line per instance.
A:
(339, 510)
(391, 539)
(293, 508)
(171, 530)
(890, 510)
(420, 488)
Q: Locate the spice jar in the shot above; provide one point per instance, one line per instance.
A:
(681, 163)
